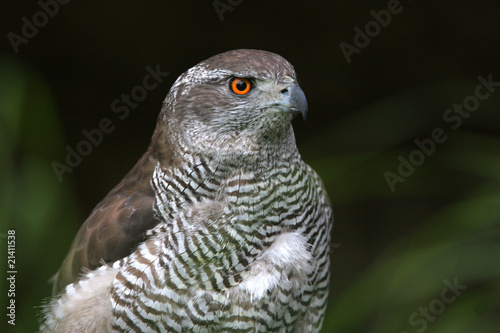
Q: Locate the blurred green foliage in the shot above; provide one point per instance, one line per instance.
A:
(398, 250)
(457, 240)
(32, 201)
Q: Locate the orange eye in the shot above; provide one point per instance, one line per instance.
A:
(240, 86)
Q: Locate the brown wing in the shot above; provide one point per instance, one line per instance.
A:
(115, 227)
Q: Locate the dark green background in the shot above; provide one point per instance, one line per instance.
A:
(393, 250)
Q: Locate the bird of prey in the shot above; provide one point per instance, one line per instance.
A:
(219, 227)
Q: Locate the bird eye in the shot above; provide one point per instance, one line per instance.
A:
(240, 86)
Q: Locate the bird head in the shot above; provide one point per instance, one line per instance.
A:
(236, 103)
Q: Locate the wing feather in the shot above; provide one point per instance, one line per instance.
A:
(115, 227)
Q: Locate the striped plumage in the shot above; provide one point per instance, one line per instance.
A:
(243, 239)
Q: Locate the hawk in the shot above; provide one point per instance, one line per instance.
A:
(219, 227)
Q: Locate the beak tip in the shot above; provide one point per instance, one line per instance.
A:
(304, 114)
(298, 99)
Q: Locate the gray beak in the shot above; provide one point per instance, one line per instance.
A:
(294, 100)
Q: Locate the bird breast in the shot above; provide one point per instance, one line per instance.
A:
(287, 261)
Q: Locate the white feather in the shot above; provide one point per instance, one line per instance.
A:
(86, 303)
(287, 258)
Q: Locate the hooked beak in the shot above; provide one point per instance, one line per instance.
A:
(293, 100)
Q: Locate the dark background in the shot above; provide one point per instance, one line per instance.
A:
(394, 251)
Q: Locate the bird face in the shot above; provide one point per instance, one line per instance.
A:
(233, 104)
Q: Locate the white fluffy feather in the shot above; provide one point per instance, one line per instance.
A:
(86, 303)
(288, 257)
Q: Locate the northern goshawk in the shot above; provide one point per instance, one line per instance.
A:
(219, 227)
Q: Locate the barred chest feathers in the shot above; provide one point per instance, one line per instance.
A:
(246, 251)
(258, 204)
